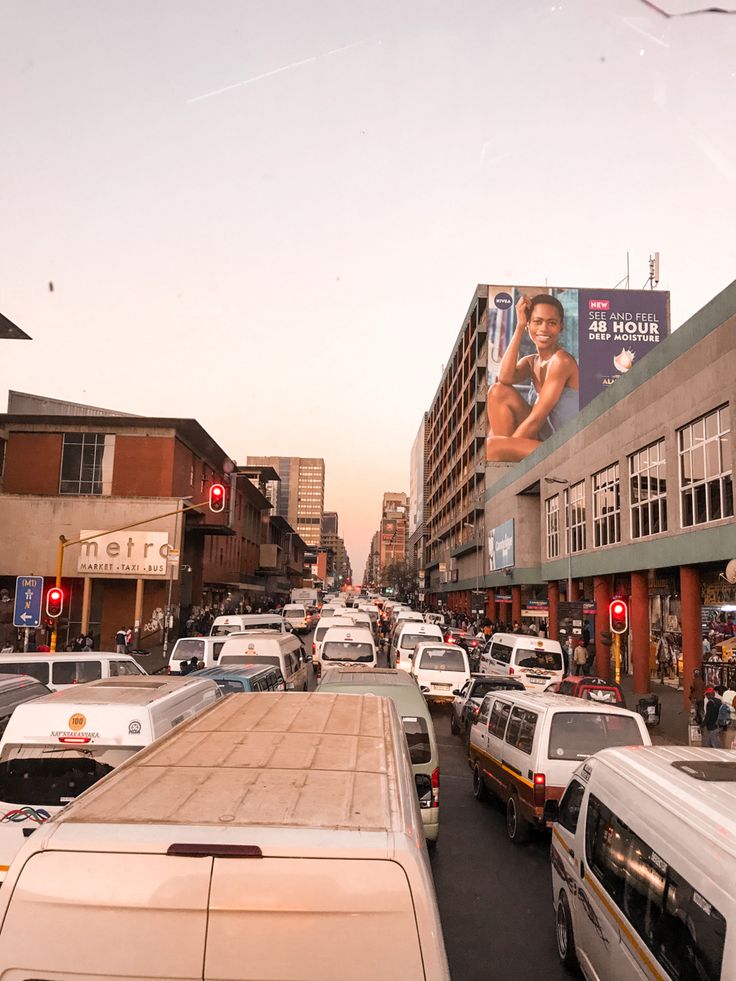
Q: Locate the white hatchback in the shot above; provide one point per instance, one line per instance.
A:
(440, 670)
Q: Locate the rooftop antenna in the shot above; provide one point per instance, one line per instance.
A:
(627, 277)
(653, 279)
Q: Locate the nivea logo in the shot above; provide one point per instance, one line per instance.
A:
(503, 301)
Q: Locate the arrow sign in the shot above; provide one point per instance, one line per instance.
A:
(28, 601)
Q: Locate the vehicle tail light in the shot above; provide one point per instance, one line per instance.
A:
(397, 657)
(436, 787)
(314, 648)
(511, 670)
(540, 789)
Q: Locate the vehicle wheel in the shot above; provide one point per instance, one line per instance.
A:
(516, 827)
(479, 788)
(453, 725)
(565, 935)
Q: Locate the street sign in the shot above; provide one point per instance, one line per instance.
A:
(28, 600)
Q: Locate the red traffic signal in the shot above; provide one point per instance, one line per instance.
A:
(54, 602)
(217, 498)
(618, 616)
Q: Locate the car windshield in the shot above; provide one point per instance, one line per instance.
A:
(53, 775)
(438, 659)
(346, 650)
(187, 649)
(577, 735)
(409, 641)
(539, 659)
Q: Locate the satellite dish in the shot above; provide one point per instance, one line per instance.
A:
(730, 575)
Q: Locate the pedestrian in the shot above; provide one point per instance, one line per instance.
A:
(697, 697)
(120, 641)
(568, 649)
(663, 658)
(89, 643)
(711, 732)
(706, 647)
(580, 657)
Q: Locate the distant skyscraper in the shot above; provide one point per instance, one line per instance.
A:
(300, 494)
(393, 532)
(329, 523)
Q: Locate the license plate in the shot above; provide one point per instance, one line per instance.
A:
(537, 679)
(441, 687)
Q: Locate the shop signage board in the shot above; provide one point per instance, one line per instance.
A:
(124, 553)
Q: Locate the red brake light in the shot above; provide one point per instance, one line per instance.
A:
(511, 670)
(540, 788)
(436, 787)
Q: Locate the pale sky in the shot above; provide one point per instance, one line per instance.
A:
(272, 217)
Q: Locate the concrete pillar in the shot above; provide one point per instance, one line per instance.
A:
(515, 604)
(639, 624)
(138, 612)
(553, 600)
(690, 613)
(602, 599)
(491, 607)
(86, 603)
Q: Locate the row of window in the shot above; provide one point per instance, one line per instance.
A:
(705, 486)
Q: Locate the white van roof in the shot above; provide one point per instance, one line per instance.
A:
(277, 760)
(696, 786)
(128, 690)
(551, 701)
(349, 631)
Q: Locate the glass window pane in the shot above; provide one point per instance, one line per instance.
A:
(712, 459)
(698, 463)
(685, 438)
(727, 496)
(687, 509)
(700, 510)
(663, 513)
(698, 431)
(714, 500)
(711, 425)
(685, 470)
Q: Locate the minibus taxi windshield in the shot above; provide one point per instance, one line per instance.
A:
(539, 660)
(346, 650)
(53, 775)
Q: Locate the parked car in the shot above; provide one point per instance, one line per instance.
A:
(467, 701)
(594, 689)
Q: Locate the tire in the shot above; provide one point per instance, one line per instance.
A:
(517, 828)
(564, 934)
(479, 788)
(454, 726)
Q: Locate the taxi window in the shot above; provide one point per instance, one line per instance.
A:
(188, 648)
(37, 670)
(520, 732)
(75, 672)
(439, 659)
(539, 658)
(417, 736)
(499, 718)
(500, 652)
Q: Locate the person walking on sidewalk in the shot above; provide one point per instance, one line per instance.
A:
(697, 697)
(580, 657)
(711, 732)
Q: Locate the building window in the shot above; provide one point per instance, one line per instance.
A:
(86, 463)
(552, 510)
(607, 506)
(706, 483)
(575, 509)
(648, 490)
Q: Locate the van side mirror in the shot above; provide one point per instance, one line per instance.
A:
(551, 811)
(455, 691)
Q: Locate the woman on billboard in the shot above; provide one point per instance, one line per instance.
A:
(519, 424)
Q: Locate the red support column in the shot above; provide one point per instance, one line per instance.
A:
(639, 623)
(602, 599)
(690, 614)
(553, 619)
(491, 607)
(575, 590)
(515, 604)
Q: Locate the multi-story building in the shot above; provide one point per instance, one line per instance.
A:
(393, 530)
(417, 528)
(300, 494)
(338, 562)
(371, 573)
(80, 474)
(329, 523)
(632, 498)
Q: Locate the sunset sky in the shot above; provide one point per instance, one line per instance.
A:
(272, 217)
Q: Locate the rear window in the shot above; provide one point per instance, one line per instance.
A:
(223, 629)
(52, 776)
(187, 649)
(250, 658)
(75, 672)
(346, 650)
(438, 659)
(500, 652)
(230, 687)
(37, 670)
(577, 735)
(409, 641)
(417, 736)
(542, 660)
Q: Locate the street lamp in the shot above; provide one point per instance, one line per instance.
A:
(568, 530)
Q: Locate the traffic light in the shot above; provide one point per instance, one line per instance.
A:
(217, 498)
(618, 616)
(54, 602)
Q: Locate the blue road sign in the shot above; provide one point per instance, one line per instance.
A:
(28, 601)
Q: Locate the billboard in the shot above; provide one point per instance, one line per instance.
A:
(551, 351)
(501, 546)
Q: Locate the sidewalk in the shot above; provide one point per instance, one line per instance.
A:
(674, 717)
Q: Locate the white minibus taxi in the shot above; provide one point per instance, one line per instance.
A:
(440, 670)
(347, 645)
(57, 746)
(644, 865)
(237, 623)
(284, 651)
(179, 870)
(296, 616)
(535, 661)
(408, 634)
(338, 620)
(60, 671)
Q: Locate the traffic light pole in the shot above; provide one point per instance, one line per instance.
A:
(66, 542)
(617, 657)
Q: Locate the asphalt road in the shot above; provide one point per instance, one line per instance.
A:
(495, 897)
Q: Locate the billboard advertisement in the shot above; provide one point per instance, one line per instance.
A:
(551, 350)
(501, 546)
